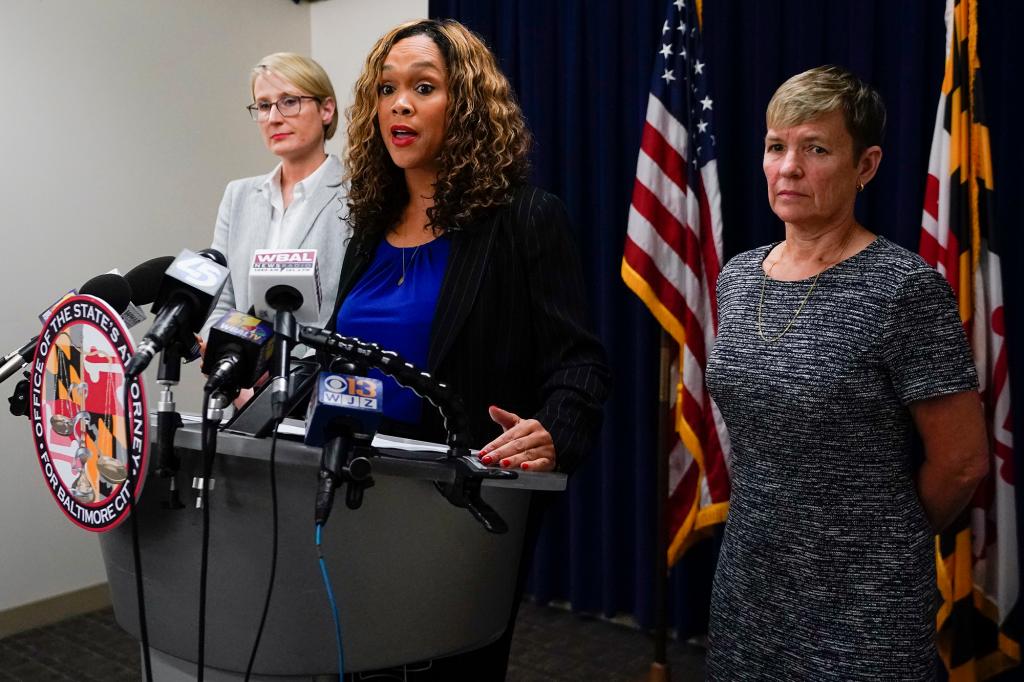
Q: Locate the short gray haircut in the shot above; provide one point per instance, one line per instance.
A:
(825, 89)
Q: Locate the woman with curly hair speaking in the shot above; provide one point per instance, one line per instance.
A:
(462, 267)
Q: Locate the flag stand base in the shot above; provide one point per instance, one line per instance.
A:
(659, 672)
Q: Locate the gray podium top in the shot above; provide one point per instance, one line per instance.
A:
(407, 463)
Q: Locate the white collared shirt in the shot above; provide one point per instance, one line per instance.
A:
(288, 226)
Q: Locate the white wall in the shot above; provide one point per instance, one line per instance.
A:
(122, 120)
(342, 33)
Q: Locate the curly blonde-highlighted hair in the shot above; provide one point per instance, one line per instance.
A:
(486, 143)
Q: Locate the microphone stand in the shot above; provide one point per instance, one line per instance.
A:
(285, 300)
(168, 421)
(464, 490)
(213, 412)
(337, 467)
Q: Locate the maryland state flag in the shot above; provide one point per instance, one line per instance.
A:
(978, 574)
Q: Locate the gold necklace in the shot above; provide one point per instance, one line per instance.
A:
(800, 308)
(401, 280)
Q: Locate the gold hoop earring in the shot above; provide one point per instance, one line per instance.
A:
(860, 186)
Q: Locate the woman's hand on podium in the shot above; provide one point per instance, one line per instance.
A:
(244, 396)
(525, 443)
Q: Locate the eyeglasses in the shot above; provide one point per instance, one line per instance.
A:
(289, 105)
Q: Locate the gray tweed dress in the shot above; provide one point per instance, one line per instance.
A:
(827, 568)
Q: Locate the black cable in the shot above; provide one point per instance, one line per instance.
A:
(140, 596)
(273, 552)
(209, 439)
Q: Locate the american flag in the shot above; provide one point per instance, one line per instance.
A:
(976, 560)
(671, 260)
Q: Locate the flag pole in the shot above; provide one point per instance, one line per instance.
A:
(660, 670)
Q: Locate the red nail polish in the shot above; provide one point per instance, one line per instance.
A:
(486, 459)
(505, 463)
(526, 466)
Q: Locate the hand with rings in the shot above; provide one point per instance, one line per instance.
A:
(525, 443)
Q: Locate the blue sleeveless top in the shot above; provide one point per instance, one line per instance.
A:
(398, 317)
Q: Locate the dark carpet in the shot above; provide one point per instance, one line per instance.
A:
(550, 645)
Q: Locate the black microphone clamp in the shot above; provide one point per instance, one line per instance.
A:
(358, 476)
(154, 341)
(285, 332)
(19, 400)
(224, 372)
(168, 421)
(338, 467)
(464, 492)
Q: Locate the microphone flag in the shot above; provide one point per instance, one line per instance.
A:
(296, 268)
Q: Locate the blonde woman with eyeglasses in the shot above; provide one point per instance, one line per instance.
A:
(299, 204)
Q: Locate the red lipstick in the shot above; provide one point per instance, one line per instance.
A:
(402, 136)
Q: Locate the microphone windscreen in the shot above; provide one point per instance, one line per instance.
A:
(114, 289)
(145, 278)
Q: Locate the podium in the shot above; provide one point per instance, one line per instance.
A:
(414, 576)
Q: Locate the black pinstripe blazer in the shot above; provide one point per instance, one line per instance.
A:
(510, 326)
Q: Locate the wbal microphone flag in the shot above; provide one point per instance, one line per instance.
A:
(671, 260)
(976, 559)
(295, 269)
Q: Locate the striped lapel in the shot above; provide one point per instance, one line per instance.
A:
(352, 268)
(469, 255)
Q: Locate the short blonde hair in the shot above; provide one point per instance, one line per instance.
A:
(825, 89)
(303, 73)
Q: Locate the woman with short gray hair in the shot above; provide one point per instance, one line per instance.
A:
(833, 346)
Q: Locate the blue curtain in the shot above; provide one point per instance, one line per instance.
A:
(581, 70)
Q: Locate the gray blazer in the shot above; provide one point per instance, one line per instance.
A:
(243, 222)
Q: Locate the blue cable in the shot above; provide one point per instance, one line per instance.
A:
(333, 603)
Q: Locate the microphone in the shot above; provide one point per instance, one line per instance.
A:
(287, 268)
(112, 289)
(344, 411)
(285, 285)
(145, 279)
(187, 293)
(237, 352)
(17, 359)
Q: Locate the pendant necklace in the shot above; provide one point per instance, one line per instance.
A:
(800, 308)
(401, 280)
